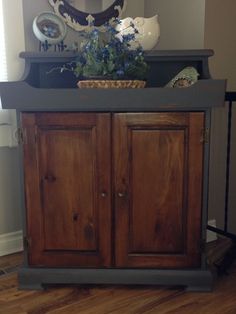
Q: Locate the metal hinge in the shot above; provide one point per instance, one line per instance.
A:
(20, 136)
(205, 135)
(27, 242)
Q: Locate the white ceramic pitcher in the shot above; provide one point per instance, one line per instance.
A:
(148, 30)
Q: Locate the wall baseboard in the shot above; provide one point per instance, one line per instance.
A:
(11, 243)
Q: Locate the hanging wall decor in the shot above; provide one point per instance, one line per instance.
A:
(80, 21)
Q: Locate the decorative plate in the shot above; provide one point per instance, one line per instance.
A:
(187, 77)
(49, 27)
(82, 21)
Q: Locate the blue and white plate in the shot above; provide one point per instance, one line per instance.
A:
(49, 27)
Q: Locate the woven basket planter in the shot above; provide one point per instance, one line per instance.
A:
(111, 84)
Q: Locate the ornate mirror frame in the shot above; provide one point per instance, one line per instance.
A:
(80, 21)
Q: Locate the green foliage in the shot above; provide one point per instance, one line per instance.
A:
(109, 55)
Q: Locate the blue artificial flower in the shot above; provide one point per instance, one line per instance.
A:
(126, 65)
(128, 37)
(120, 72)
(107, 54)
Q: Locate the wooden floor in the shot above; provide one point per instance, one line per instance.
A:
(112, 299)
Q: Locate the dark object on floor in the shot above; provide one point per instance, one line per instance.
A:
(223, 265)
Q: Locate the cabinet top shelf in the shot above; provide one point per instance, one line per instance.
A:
(200, 96)
(43, 89)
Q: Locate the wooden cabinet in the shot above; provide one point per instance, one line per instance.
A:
(116, 180)
(68, 189)
(121, 190)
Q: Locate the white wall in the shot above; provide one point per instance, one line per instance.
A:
(220, 27)
(181, 22)
(34, 7)
(220, 35)
(15, 41)
(10, 204)
(134, 8)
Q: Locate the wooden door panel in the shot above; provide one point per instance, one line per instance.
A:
(74, 211)
(158, 161)
(67, 179)
(158, 214)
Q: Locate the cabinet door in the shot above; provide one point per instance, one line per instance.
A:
(67, 187)
(158, 160)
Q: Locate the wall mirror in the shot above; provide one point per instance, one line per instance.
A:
(71, 11)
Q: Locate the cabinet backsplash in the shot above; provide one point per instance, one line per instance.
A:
(164, 65)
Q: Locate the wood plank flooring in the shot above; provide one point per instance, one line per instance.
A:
(113, 299)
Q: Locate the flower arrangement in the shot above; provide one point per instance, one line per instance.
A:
(109, 55)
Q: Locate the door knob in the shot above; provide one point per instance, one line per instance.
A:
(120, 194)
(103, 194)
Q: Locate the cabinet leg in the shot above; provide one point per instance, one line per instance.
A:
(27, 280)
(34, 286)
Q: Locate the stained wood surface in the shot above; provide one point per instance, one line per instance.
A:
(114, 299)
(158, 215)
(157, 191)
(158, 160)
(67, 182)
(72, 211)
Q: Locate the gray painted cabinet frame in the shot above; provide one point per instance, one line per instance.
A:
(35, 94)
